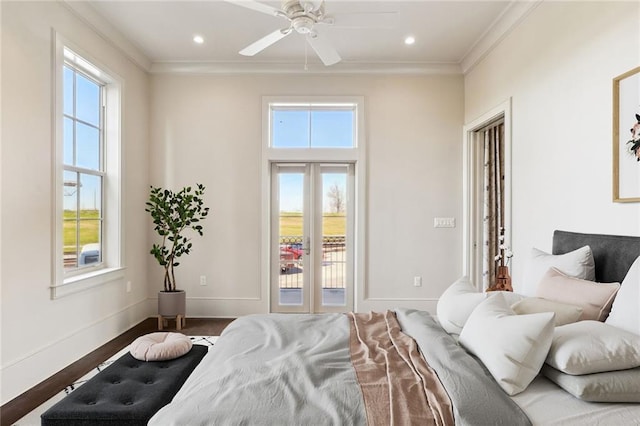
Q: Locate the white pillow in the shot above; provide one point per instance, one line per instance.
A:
(456, 304)
(565, 313)
(578, 264)
(160, 346)
(588, 347)
(512, 347)
(625, 312)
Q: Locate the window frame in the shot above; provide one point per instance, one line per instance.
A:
(110, 268)
(310, 107)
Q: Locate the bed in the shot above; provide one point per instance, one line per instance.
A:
(408, 367)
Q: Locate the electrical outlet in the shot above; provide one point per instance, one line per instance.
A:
(128, 286)
(203, 280)
(444, 222)
(417, 281)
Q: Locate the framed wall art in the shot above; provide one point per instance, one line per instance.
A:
(626, 137)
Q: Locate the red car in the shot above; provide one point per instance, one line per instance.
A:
(289, 254)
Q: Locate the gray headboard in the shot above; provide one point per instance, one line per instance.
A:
(613, 254)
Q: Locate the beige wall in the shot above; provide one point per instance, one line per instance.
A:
(39, 335)
(557, 67)
(208, 129)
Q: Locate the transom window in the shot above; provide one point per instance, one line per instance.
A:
(313, 125)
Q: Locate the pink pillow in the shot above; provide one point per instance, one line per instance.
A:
(595, 299)
(160, 346)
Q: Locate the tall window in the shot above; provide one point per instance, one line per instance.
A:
(83, 134)
(87, 163)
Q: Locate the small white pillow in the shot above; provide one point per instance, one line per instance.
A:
(578, 263)
(625, 312)
(512, 347)
(565, 313)
(456, 304)
(588, 347)
(160, 346)
(594, 298)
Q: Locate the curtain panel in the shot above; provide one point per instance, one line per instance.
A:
(493, 199)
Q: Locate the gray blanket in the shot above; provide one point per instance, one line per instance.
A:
(280, 369)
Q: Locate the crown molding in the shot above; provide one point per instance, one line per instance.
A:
(344, 67)
(87, 14)
(512, 16)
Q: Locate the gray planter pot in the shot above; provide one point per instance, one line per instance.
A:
(172, 303)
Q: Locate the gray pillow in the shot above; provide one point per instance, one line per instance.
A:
(610, 386)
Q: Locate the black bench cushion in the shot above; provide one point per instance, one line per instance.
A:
(128, 392)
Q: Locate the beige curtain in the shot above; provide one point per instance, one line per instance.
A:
(493, 204)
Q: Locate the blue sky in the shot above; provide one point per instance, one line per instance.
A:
(86, 109)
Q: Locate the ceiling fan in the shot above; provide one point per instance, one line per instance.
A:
(303, 16)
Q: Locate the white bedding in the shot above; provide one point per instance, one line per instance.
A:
(546, 404)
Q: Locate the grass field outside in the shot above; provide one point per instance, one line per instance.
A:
(332, 223)
(89, 231)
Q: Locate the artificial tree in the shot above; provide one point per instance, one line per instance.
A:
(173, 213)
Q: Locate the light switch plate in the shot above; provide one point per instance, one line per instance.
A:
(444, 222)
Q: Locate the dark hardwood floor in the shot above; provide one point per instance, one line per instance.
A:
(18, 407)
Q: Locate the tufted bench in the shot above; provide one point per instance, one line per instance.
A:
(128, 392)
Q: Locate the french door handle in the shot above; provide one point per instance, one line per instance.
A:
(307, 246)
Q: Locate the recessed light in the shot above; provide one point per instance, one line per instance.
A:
(409, 40)
(198, 39)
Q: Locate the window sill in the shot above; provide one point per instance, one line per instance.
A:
(86, 281)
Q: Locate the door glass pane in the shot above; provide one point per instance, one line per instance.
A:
(334, 231)
(291, 225)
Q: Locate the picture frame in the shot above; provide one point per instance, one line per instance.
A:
(626, 137)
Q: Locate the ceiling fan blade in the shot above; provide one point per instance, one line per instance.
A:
(379, 20)
(325, 51)
(260, 7)
(265, 42)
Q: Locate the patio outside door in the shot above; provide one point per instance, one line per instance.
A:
(311, 237)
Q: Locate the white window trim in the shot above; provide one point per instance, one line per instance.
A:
(356, 155)
(111, 268)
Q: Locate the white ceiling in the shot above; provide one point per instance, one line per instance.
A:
(447, 33)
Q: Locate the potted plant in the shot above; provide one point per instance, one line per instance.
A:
(174, 213)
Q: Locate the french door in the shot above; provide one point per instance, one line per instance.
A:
(311, 247)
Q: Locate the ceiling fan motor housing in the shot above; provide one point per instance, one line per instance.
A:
(303, 24)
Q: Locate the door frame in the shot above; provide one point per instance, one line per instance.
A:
(472, 176)
(357, 156)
